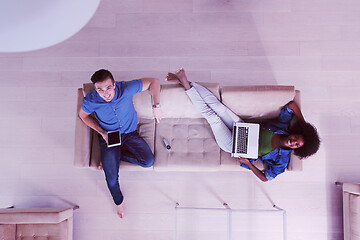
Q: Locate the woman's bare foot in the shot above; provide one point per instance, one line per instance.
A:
(120, 210)
(171, 77)
(179, 77)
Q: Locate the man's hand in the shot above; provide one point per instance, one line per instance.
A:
(104, 135)
(92, 123)
(157, 114)
(244, 160)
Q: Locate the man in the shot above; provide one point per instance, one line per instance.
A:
(111, 102)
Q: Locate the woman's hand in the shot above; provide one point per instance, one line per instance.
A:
(244, 160)
(255, 170)
(293, 106)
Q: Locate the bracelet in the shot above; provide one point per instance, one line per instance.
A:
(156, 106)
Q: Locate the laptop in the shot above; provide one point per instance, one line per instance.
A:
(245, 138)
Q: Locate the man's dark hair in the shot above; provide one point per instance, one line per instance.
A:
(102, 75)
(311, 139)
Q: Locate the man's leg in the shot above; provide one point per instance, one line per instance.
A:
(135, 150)
(110, 159)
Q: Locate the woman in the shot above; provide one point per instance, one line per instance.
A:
(276, 141)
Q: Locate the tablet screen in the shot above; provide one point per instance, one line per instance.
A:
(114, 138)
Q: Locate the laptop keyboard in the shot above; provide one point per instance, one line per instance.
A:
(242, 140)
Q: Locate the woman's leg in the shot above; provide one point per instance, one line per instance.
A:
(227, 116)
(221, 132)
(219, 117)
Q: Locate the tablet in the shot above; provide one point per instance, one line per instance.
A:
(114, 138)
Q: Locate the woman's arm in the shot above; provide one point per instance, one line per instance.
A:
(293, 106)
(254, 169)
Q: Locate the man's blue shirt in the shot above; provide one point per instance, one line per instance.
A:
(277, 160)
(119, 113)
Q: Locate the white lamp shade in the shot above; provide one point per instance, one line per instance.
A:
(31, 25)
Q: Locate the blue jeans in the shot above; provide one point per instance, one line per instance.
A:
(133, 149)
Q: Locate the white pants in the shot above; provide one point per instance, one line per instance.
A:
(219, 117)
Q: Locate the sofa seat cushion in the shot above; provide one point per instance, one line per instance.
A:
(193, 146)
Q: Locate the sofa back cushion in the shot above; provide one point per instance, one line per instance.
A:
(176, 104)
(257, 102)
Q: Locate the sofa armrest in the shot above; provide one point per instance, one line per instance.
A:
(351, 210)
(34, 215)
(82, 137)
(353, 188)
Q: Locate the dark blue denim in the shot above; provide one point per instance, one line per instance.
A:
(133, 149)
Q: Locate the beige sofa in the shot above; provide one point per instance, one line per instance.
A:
(36, 223)
(193, 147)
(351, 211)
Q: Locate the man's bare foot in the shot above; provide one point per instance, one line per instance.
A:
(120, 210)
(100, 166)
(179, 77)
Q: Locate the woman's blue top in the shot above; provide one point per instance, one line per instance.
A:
(277, 160)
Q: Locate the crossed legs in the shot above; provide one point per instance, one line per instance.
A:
(219, 117)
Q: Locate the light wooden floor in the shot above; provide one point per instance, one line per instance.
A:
(312, 44)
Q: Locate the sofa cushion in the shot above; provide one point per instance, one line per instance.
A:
(143, 105)
(257, 102)
(176, 104)
(193, 147)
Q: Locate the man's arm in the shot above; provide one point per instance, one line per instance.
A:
(92, 123)
(255, 170)
(153, 85)
(293, 106)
